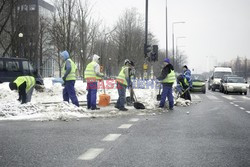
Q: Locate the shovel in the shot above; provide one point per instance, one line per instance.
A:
(137, 104)
(158, 97)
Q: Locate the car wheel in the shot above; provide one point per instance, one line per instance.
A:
(213, 89)
(245, 93)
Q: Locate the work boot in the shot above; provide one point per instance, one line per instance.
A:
(117, 107)
(95, 108)
(123, 109)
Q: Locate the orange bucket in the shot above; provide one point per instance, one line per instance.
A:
(104, 100)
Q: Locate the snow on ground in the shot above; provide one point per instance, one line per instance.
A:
(48, 105)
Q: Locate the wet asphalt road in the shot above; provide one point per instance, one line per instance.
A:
(216, 132)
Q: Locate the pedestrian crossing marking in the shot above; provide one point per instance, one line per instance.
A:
(245, 97)
(195, 97)
(211, 97)
(229, 97)
(125, 126)
(248, 112)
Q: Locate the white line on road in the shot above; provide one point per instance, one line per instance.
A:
(229, 97)
(133, 120)
(111, 137)
(248, 112)
(212, 97)
(232, 103)
(236, 105)
(125, 126)
(195, 97)
(91, 154)
(242, 108)
(245, 97)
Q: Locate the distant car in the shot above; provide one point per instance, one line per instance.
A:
(11, 68)
(218, 73)
(235, 85)
(222, 82)
(198, 83)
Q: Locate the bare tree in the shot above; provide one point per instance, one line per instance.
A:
(87, 29)
(63, 30)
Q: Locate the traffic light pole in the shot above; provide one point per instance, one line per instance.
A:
(146, 38)
(146, 28)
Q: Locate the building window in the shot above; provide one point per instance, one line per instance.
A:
(32, 7)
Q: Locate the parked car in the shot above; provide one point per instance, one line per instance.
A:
(222, 82)
(218, 73)
(235, 84)
(11, 68)
(198, 83)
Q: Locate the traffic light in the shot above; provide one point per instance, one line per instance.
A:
(147, 49)
(154, 53)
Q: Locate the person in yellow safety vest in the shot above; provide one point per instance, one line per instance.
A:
(69, 69)
(122, 84)
(167, 79)
(25, 86)
(92, 74)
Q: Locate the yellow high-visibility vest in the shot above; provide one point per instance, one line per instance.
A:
(30, 82)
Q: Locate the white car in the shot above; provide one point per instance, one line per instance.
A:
(235, 84)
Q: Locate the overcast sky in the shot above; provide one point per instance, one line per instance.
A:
(215, 30)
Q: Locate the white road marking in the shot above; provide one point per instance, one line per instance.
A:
(111, 137)
(248, 112)
(195, 97)
(133, 120)
(125, 126)
(91, 154)
(245, 97)
(236, 105)
(212, 97)
(229, 97)
(232, 103)
(242, 108)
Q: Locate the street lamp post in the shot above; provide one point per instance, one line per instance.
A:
(20, 35)
(174, 23)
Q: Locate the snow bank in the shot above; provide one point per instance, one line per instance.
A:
(48, 105)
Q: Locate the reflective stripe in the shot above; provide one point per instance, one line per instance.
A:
(30, 82)
(90, 73)
(72, 74)
(121, 77)
(170, 77)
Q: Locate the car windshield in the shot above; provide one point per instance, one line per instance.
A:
(221, 74)
(196, 77)
(236, 80)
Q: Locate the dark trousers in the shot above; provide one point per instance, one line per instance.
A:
(122, 95)
(91, 96)
(167, 93)
(70, 93)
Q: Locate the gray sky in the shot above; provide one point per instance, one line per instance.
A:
(215, 30)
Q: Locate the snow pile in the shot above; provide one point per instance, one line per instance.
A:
(49, 105)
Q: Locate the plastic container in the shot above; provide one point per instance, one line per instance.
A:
(104, 100)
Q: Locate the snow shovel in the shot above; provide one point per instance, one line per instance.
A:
(180, 94)
(104, 99)
(158, 98)
(130, 99)
(137, 104)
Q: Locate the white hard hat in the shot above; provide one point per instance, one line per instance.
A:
(126, 61)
